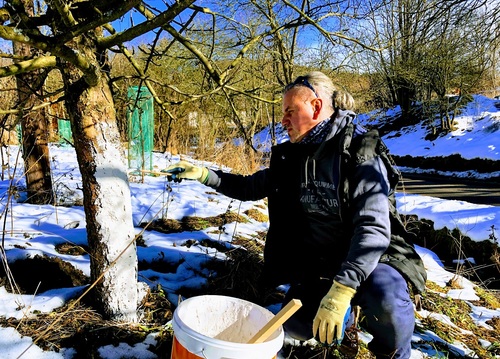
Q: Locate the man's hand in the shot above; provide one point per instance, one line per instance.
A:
(333, 313)
(184, 169)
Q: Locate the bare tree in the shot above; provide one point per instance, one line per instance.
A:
(429, 49)
(73, 40)
(453, 62)
(242, 54)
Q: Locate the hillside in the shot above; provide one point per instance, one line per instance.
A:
(199, 242)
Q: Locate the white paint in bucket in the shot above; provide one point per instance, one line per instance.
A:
(219, 327)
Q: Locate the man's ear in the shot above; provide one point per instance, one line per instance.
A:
(317, 104)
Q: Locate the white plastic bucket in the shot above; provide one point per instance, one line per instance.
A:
(219, 327)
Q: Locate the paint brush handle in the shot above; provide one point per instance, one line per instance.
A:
(278, 320)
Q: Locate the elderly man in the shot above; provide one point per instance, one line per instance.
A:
(329, 224)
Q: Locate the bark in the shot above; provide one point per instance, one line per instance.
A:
(36, 158)
(107, 199)
(34, 126)
(74, 45)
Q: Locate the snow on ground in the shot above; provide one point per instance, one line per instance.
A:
(32, 229)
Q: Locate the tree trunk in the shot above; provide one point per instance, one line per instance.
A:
(107, 200)
(34, 127)
(405, 94)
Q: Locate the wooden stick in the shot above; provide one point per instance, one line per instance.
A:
(276, 322)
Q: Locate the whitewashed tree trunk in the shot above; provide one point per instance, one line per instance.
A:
(106, 191)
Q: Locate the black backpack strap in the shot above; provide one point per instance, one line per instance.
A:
(401, 253)
(369, 145)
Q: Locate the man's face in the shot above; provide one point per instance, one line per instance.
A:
(300, 112)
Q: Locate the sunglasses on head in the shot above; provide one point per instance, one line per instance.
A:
(301, 81)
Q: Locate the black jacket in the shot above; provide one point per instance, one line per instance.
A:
(326, 218)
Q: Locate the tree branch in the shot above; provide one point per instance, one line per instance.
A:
(61, 51)
(214, 74)
(23, 110)
(27, 66)
(78, 29)
(238, 121)
(327, 34)
(219, 78)
(152, 23)
(18, 12)
(63, 10)
(151, 89)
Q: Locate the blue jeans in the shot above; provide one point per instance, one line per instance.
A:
(386, 307)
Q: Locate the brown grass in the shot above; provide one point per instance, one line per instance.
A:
(79, 327)
(459, 313)
(82, 329)
(192, 223)
(257, 215)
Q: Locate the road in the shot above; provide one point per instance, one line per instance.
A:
(473, 191)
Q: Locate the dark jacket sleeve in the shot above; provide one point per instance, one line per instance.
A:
(370, 218)
(245, 188)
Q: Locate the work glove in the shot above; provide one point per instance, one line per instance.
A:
(333, 314)
(184, 169)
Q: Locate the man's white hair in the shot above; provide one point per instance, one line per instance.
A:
(325, 87)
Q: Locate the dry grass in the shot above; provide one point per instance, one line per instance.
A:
(239, 276)
(241, 159)
(79, 327)
(257, 215)
(192, 223)
(489, 298)
(459, 313)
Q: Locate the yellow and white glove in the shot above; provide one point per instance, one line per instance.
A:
(333, 313)
(185, 170)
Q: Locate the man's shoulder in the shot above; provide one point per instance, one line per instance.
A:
(364, 143)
